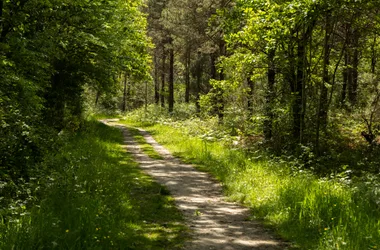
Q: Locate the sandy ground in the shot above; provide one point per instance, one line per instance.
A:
(214, 222)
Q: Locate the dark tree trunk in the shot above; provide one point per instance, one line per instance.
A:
(129, 94)
(220, 93)
(213, 66)
(323, 99)
(353, 68)
(349, 77)
(55, 103)
(171, 77)
(355, 74)
(290, 73)
(97, 98)
(187, 74)
(156, 81)
(345, 78)
(291, 81)
(298, 114)
(323, 109)
(1, 12)
(220, 100)
(299, 102)
(198, 81)
(125, 94)
(269, 98)
(163, 73)
(74, 103)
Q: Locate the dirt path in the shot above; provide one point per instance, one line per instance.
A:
(215, 223)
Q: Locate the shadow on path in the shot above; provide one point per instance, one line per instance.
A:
(215, 223)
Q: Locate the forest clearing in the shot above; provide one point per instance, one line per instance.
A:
(189, 124)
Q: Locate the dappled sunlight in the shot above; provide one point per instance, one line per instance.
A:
(215, 223)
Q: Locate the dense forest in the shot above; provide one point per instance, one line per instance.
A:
(294, 82)
(299, 76)
(52, 54)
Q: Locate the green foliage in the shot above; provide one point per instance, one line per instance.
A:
(94, 197)
(50, 51)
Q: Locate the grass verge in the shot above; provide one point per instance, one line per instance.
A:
(145, 147)
(96, 198)
(314, 213)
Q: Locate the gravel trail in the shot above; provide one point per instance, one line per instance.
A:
(214, 222)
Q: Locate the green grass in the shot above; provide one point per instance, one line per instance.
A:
(313, 213)
(146, 147)
(96, 198)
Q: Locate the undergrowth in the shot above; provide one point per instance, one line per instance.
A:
(95, 197)
(312, 212)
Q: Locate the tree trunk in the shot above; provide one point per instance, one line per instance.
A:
(299, 102)
(298, 114)
(220, 101)
(199, 80)
(250, 93)
(1, 9)
(290, 73)
(323, 108)
(213, 66)
(1, 13)
(171, 77)
(269, 98)
(187, 74)
(125, 93)
(345, 78)
(55, 103)
(156, 82)
(355, 74)
(220, 92)
(353, 69)
(97, 98)
(323, 99)
(129, 94)
(146, 98)
(163, 77)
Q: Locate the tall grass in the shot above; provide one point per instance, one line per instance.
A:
(314, 213)
(145, 147)
(95, 198)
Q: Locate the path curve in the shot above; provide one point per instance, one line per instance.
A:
(214, 222)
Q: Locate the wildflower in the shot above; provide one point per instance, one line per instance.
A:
(67, 230)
